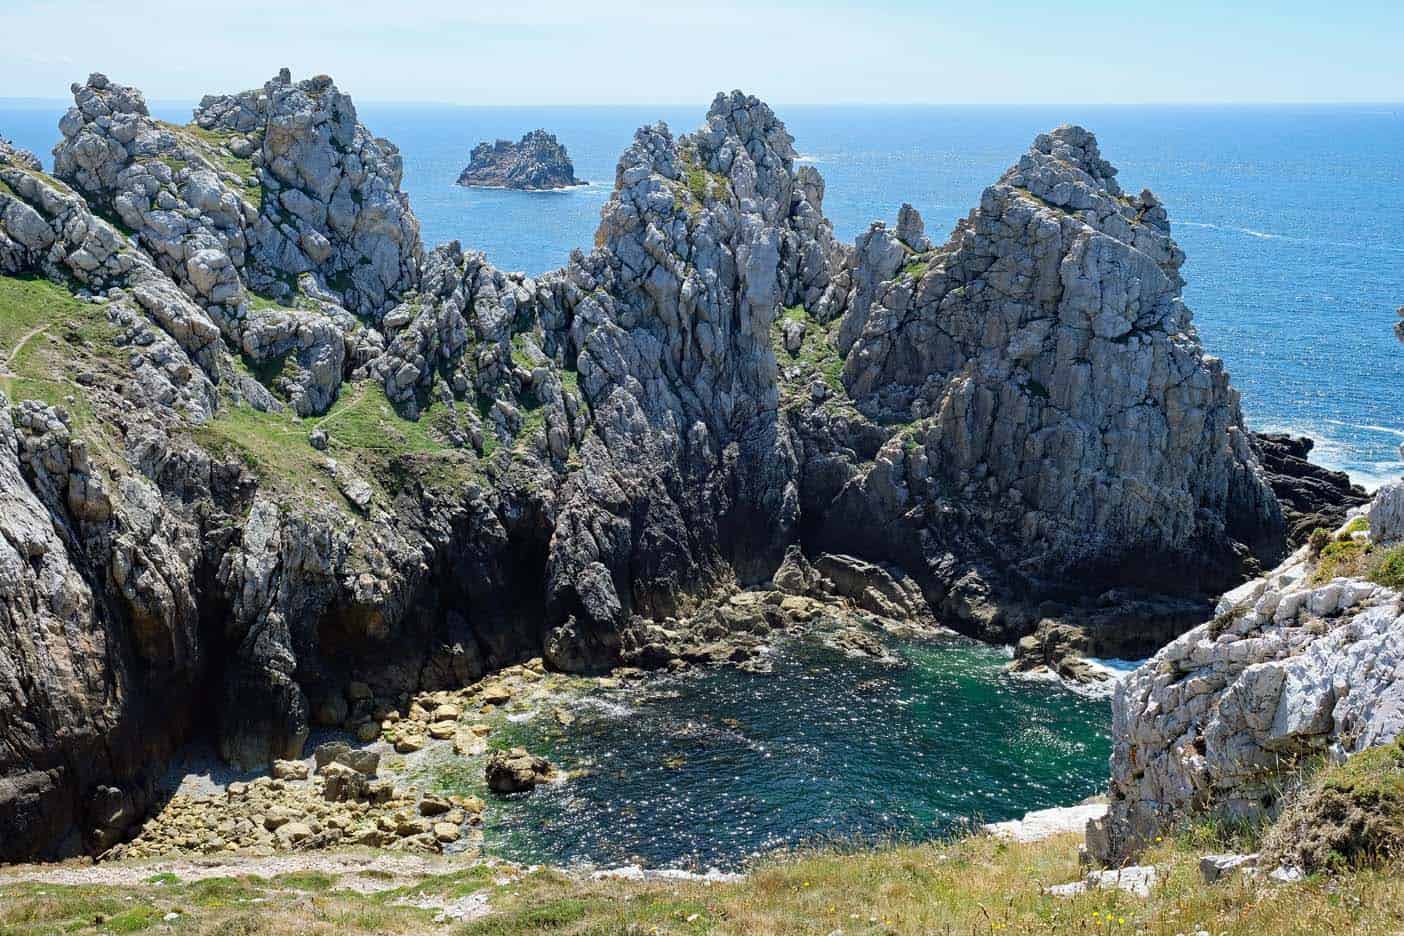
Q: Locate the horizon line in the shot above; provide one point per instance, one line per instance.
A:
(999, 105)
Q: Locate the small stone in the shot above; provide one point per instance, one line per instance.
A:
(447, 832)
(290, 770)
(1214, 867)
(293, 833)
(408, 744)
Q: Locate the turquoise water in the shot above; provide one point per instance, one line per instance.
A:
(711, 767)
(1292, 219)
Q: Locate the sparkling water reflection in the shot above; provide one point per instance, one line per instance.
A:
(711, 767)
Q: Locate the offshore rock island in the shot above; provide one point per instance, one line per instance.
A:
(270, 465)
(536, 162)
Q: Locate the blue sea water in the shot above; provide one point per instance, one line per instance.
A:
(1292, 218)
(714, 766)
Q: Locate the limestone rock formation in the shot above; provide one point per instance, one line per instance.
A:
(1294, 665)
(303, 467)
(1049, 330)
(277, 195)
(535, 162)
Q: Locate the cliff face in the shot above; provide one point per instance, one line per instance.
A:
(535, 162)
(1054, 383)
(278, 447)
(1307, 661)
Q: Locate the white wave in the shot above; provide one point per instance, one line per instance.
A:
(608, 707)
(1114, 665)
(806, 158)
(1388, 430)
(1375, 479)
(1268, 235)
(1265, 235)
(1334, 453)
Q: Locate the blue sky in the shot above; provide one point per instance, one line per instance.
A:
(790, 52)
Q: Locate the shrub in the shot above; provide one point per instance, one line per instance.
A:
(1349, 816)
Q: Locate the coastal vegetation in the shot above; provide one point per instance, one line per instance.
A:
(974, 885)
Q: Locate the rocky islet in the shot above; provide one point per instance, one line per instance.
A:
(719, 396)
(536, 162)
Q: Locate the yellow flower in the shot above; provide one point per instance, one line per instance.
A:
(1121, 921)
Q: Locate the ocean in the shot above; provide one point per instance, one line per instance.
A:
(1292, 218)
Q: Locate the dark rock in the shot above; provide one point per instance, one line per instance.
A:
(515, 771)
(1312, 497)
(536, 161)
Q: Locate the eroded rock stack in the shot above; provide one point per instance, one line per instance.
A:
(1049, 331)
(308, 465)
(535, 162)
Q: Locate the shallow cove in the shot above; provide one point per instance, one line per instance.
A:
(711, 767)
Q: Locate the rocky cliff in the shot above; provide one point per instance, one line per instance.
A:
(262, 445)
(537, 161)
(1304, 663)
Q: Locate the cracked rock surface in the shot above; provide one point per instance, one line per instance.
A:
(268, 461)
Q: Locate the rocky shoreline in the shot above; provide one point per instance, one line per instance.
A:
(273, 466)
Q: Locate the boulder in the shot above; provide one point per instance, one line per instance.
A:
(290, 770)
(339, 752)
(515, 771)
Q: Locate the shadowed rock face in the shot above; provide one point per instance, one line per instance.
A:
(554, 465)
(1311, 497)
(1055, 384)
(535, 162)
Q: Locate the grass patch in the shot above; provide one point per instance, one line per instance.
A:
(1349, 557)
(916, 269)
(1389, 569)
(698, 183)
(1349, 816)
(364, 432)
(305, 880)
(968, 886)
(47, 336)
(817, 355)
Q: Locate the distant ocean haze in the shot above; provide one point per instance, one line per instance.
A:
(1292, 219)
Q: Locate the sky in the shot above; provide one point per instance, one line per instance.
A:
(786, 51)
